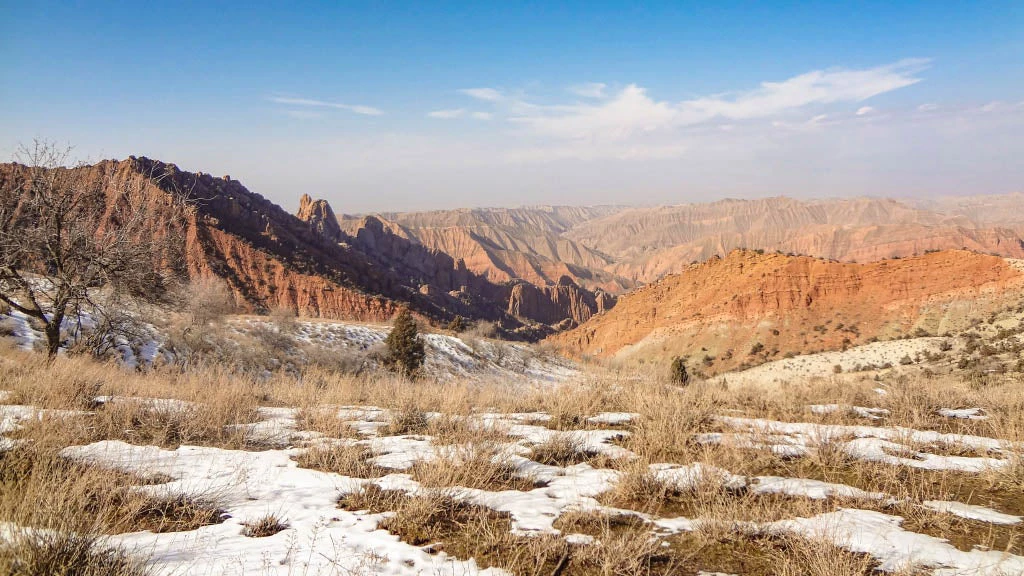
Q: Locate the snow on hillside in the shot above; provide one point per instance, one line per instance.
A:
(869, 356)
(447, 356)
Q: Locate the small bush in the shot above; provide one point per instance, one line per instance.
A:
(406, 352)
(457, 324)
(678, 372)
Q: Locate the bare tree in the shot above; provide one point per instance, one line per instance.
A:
(68, 234)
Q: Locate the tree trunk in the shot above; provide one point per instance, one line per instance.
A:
(52, 332)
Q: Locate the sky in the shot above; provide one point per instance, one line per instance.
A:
(398, 106)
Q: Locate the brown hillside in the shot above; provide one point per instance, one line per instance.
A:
(271, 258)
(647, 243)
(750, 307)
(504, 244)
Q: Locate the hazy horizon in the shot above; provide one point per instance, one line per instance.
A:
(405, 107)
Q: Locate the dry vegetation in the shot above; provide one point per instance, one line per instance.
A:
(75, 499)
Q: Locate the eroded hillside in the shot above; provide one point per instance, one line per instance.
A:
(749, 307)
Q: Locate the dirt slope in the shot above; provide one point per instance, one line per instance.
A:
(748, 307)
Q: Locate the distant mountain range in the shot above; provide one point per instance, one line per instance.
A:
(618, 248)
(536, 271)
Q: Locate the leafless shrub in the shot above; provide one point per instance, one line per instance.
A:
(64, 232)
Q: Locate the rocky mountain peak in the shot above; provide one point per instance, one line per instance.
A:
(320, 218)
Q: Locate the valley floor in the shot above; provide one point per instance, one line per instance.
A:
(617, 473)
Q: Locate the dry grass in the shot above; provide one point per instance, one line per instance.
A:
(563, 450)
(42, 489)
(219, 424)
(760, 555)
(324, 421)
(447, 429)
(442, 523)
(341, 458)
(65, 554)
(407, 419)
(77, 496)
(264, 526)
(482, 465)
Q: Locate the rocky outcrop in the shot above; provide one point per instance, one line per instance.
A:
(750, 307)
(320, 218)
(437, 272)
(553, 304)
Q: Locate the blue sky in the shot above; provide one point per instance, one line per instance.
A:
(402, 106)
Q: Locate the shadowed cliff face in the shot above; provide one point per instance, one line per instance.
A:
(436, 272)
(504, 244)
(762, 306)
(618, 248)
(271, 258)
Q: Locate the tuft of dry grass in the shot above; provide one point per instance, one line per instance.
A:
(347, 459)
(407, 419)
(323, 420)
(562, 450)
(640, 489)
(482, 465)
(36, 553)
(264, 526)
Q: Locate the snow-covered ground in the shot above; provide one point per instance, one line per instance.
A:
(323, 539)
(447, 356)
(876, 354)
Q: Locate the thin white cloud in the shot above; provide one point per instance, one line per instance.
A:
(928, 107)
(303, 114)
(356, 108)
(631, 112)
(864, 110)
(446, 114)
(458, 113)
(589, 89)
(486, 94)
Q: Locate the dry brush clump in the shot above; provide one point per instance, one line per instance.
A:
(347, 459)
(323, 420)
(37, 553)
(43, 489)
(564, 449)
(482, 465)
(264, 526)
